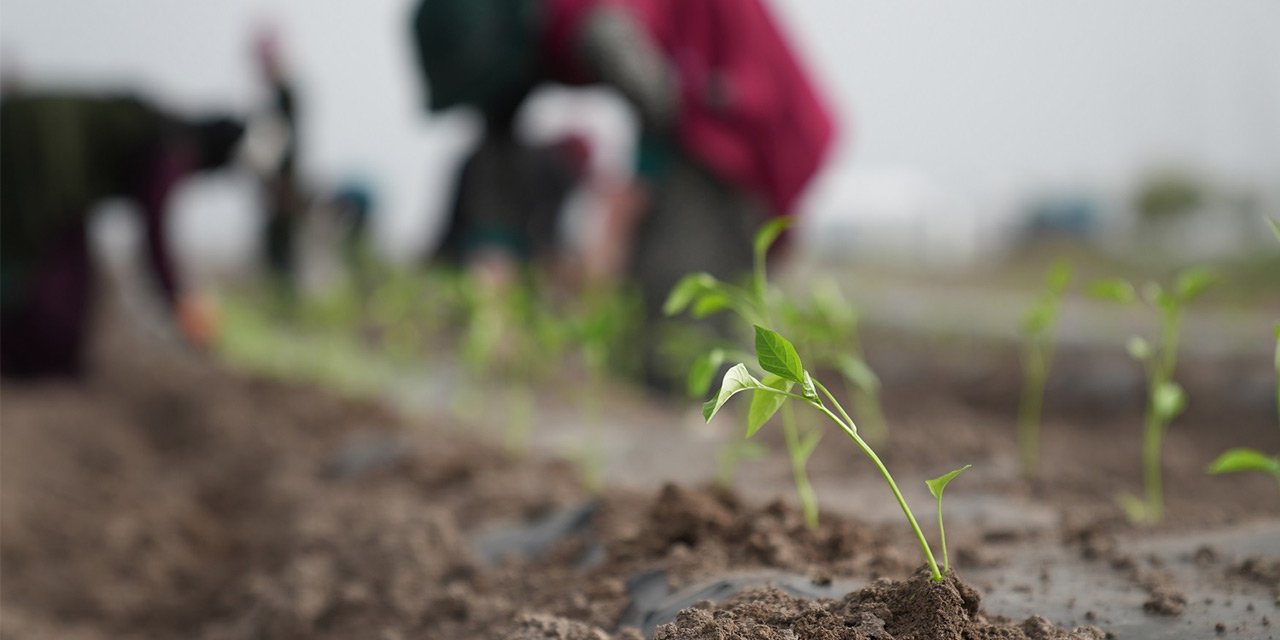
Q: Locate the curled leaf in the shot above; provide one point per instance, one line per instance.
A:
(737, 379)
(939, 483)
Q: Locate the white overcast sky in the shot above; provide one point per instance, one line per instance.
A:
(976, 95)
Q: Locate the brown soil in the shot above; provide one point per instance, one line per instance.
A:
(165, 497)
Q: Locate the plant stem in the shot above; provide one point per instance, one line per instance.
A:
(808, 500)
(851, 430)
(942, 534)
(1152, 435)
(1030, 410)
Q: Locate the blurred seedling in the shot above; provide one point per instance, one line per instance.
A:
(1242, 459)
(702, 295)
(1166, 399)
(784, 375)
(830, 329)
(1038, 330)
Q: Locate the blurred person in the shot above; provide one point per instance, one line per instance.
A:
(731, 127)
(285, 198)
(60, 154)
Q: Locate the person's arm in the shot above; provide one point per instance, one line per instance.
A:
(622, 55)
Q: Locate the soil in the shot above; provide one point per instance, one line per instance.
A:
(165, 496)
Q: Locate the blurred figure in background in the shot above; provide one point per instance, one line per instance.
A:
(285, 198)
(60, 154)
(731, 127)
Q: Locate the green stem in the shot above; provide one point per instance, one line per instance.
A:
(942, 534)
(808, 500)
(1151, 445)
(1030, 410)
(851, 430)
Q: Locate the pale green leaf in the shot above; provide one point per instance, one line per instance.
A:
(856, 371)
(808, 388)
(777, 355)
(939, 483)
(768, 234)
(808, 443)
(703, 372)
(737, 379)
(1113, 290)
(1168, 400)
(686, 291)
(765, 405)
(1139, 349)
(1192, 282)
(1236, 460)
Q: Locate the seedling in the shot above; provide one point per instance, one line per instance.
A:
(1240, 460)
(784, 371)
(1237, 460)
(830, 326)
(702, 294)
(1165, 397)
(936, 486)
(1038, 330)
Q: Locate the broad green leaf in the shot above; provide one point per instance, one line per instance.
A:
(939, 483)
(1113, 290)
(777, 355)
(1192, 282)
(856, 371)
(808, 443)
(1059, 277)
(765, 405)
(768, 234)
(1168, 400)
(703, 372)
(711, 302)
(686, 290)
(1236, 460)
(1139, 349)
(735, 380)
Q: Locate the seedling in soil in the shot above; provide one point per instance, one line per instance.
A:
(936, 486)
(1165, 397)
(1038, 330)
(830, 326)
(784, 371)
(1241, 459)
(702, 294)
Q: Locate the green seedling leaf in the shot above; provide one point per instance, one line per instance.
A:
(1037, 319)
(1168, 400)
(687, 290)
(1058, 278)
(735, 380)
(1113, 290)
(939, 483)
(1192, 282)
(856, 371)
(703, 372)
(765, 405)
(1139, 349)
(808, 444)
(1237, 460)
(808, 388)
(777, 355)
(768, 234)
(710, 302)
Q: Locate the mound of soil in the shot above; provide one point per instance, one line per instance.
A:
(917, 608)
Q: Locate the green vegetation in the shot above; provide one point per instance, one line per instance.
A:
(1165, 397)
(936, 486)
(702, 294)
(780, 361)
(1038, 330)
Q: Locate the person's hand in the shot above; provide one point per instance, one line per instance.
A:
(197, 319)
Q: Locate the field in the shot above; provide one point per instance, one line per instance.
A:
(174, 495)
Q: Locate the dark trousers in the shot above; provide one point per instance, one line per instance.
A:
(43, 330)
